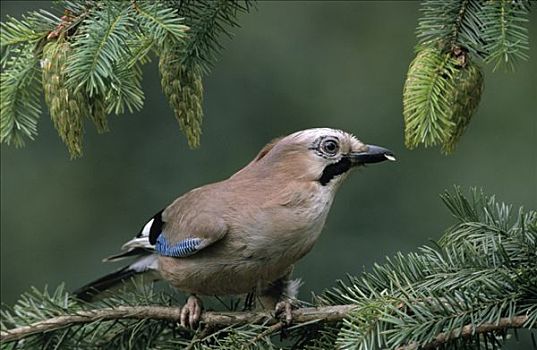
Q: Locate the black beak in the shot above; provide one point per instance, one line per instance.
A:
(374, 154)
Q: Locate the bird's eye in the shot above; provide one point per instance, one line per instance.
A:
(330, 146)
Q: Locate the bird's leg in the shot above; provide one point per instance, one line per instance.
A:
(249, 301)
(280, 295)
(284, 311)
(191, 312)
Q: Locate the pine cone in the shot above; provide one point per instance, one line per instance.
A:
(429, 82)
(469, 86)
(67, 109)
(183, 87)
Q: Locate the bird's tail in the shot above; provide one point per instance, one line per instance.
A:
(143, 266)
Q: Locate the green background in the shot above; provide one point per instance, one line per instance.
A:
(291, 66)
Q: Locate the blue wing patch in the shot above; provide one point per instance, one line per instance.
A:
(180, 249)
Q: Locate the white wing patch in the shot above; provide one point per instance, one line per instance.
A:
(135, 246)
(146, 229)
(140, 241)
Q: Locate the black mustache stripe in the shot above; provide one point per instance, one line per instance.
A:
(334, 170)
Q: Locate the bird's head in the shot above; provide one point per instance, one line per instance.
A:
(323, 155)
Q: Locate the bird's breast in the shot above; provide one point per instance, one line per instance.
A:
(262, 242)
(285, 229)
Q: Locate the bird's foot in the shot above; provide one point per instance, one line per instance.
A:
(249, 301)
(191, 312)
(284, 311)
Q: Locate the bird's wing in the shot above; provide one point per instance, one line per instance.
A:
(188, 225)
(177, 231)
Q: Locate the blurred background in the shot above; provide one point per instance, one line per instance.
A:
(291, 66)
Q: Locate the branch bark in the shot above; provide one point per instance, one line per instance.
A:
(221, 319)
(325, 314)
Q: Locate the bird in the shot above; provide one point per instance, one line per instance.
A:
(244, 234)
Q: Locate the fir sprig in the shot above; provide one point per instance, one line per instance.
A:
(20, 45)
(98, 46)
(16, 32)
(478, 273)
(505, 33)
(494, 31)
(20, 107)
(25, 33)
(454, 22)
(208, 20)
(107, 42)
(182, 66)
(160, 23)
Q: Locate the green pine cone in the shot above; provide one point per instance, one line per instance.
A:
(427, 108)
(469, 86)
(98, 114)
(441, 93)
(67, 109)
(184, 89)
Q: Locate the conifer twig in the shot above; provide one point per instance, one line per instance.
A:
(326, 314)
(468, 331)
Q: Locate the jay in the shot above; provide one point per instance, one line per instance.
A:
(244, 234)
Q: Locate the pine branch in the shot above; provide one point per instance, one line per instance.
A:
(208, 21)
(15, 32)
(99, 46)
(20, 107)
(441, 93)
(209, 319)
(182, 65)
(481, 270)
(458, 31)
(452, 23)
(18, 36)
(105, 44)
(504, 32)
(476, 283)
(223, 319)
(160, 23)
(469, 331)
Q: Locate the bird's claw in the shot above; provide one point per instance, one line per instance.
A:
(191, 312)
(284, 311)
